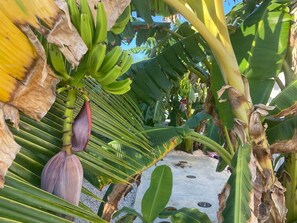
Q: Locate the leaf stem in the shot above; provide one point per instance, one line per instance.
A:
(229, 143)
(173, 33)
(203, 78)
(222, 152)
(279, 83)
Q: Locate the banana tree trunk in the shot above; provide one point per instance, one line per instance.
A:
(290, 182)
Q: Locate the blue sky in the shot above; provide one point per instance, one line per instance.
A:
(228, 5)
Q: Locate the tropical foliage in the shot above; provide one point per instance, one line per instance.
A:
(231, 62)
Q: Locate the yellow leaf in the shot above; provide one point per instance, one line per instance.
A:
(17, 55)
(28, 11)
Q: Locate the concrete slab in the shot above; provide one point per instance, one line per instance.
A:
(194, 180)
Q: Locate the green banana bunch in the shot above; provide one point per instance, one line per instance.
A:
(92, 31)
(111, 59)
(57, 59)
(184, 87)
(125, 62)
(85, 9)
(110, 76)
(82, 18)
(85, 30)
(115, 64)
(95, 58)
(100, 34)
(118, 87)
(122, 21)
(106, 68)
(74, 13)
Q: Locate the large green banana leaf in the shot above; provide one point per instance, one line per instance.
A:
(285, 99)
(155, 77)
(238, 189)
(222, 104)
(283, 128)
(260, 45)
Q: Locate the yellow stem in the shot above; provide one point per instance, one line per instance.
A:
(222, 26)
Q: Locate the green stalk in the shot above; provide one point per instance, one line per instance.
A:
(68, 120)
(229, 143)
(290, 184)
(222, 152)
(188, 145)
(197, 72)
(173, 33)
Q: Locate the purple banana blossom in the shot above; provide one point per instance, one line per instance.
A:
(63, 176)
(82, 127)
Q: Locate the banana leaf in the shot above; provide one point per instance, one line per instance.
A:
(236, 195)
(283, 126)
(155, 77)
(260, 45)
(285, 99)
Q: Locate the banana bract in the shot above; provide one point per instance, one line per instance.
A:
(63, 176)
(81, 128)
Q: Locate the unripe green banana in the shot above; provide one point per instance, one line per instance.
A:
(95, 58)
(100, 33)
(85, 9)
(111, 59)
(118, 87)
(122, 21)
(86, 30)
(126, 62)
(110, 76)
(57, 59)
(74, 13)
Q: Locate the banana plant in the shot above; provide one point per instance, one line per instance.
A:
(132, 148)
(227, 80)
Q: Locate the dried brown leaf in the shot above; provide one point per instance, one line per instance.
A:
(269, 201)
(239, 130)
(11, 113)
(285, 146)
(66, 37)
(36, 97)
(222, 90)
(8, 147)
(113, 9)
(256, 128)
(278, 201)
(222, 201)
(292, 110)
